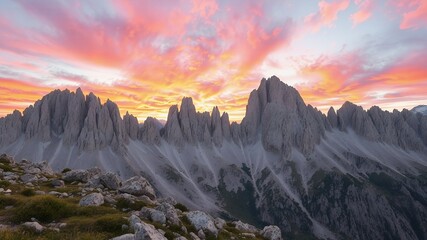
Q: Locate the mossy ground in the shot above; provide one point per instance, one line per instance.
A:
(100, 222)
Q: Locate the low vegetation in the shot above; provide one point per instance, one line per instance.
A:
(62, 217)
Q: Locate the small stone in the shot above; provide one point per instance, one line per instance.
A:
(219, 223)
(125, 227)
(54, 193)
(244, 227)
(33, 170)
(145, 231)
(57, 183)
(201, 234)
(128, 236)
(272, 233)
(201, 220)
(34, 226)
(110, 180)
(28, 178)
(109, 199)
(38, 192)
(133, 220)
(248, 235)
(93, 199)
(194, 236)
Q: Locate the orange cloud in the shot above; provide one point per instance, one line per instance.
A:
(331, 81)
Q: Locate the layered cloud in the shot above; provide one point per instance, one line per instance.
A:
(147, 55)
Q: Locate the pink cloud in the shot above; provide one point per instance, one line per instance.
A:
(327, 14)
(364, 12)
(416, 17)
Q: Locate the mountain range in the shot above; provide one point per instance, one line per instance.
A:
(349, 174)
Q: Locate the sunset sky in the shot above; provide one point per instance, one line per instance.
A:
(147, 55)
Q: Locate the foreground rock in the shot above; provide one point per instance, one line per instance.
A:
(144, 231)
(4, 158)
(110, 180)
(128, 236)
(93, 199)
(201, 220)
(138, 186)
(35, 226)
(80, 175)
(272, 233)
(244, 227)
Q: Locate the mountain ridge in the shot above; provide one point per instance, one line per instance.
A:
(275, 160)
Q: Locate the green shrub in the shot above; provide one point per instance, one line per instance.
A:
(6, 168)
(123, 203)
(110, 223)
(89, 211)
(181, 207)
(7, 201)
(169, 235)
(28, 192)
(65, 170)
(44, 208)
(4, 184)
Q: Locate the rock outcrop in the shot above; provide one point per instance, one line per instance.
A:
(138, 186)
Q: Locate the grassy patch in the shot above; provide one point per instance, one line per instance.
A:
(51, 235)
(123, 203)
(109, 223)
(181, 207)
(7, 201)
(44, 208)
(4, 184)
(89, 211)
(6, 167)
(28, 192)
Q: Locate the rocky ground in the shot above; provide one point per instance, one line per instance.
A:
(38, 203)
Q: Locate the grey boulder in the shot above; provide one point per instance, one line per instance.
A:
(138, 186)
(93, 199)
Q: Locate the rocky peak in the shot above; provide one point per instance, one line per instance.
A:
(131, 126)
(355, 117)
(332, 117)
(196, 127)
(188, 119)
(149, 133)
(79, 120)
(216, 127)
(10, 128)
(277, 112)
(422, 109)
(172, 130)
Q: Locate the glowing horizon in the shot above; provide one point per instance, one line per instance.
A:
(147, 55)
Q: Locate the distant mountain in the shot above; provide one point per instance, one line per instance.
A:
(350, 174)
(420, 109)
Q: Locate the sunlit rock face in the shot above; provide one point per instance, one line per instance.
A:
(350, 174)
